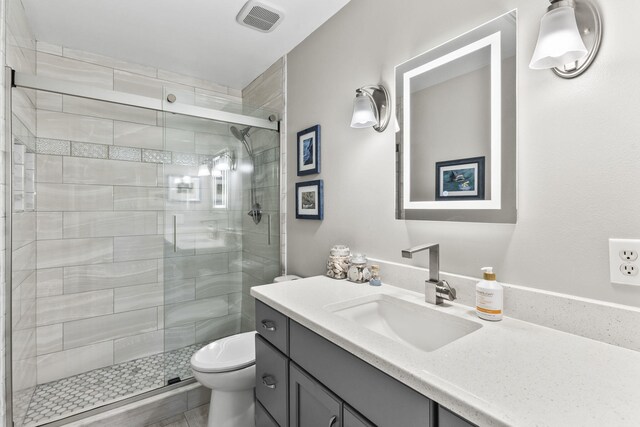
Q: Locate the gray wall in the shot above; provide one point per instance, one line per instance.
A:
(577, 149)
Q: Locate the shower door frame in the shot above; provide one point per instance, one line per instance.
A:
(15, 79)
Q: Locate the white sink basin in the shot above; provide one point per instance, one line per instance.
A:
(420, 327)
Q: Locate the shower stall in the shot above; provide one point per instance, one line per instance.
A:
(135, 229)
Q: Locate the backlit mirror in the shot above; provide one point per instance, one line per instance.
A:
(456, 106)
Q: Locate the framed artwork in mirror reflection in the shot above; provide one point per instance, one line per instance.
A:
(461, 179)
(309, 200)
(309, 151)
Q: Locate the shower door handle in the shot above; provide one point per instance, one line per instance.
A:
(269, 229)
(175, 233)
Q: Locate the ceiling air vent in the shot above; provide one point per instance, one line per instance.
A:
(259, 16)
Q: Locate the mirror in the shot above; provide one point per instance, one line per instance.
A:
(456, 148)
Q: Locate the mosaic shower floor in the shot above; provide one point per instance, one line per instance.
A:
(68, 396)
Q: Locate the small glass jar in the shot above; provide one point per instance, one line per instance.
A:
(375, 276)
(338, 262)
(358, 270)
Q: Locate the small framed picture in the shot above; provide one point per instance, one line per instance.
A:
(309, 200)
(184, 188)
(309, 151)
(461, 179)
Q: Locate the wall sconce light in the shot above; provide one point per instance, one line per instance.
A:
(569, 38)
(371, 108)
(214, 166)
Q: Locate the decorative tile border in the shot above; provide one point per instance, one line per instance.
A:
(185, 159)
(83, 149)
(53, 146)
(125, 153)
(112, 152)
(156, 156)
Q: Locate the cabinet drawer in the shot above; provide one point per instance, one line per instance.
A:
(350, 418)
(447, 418)
(272, 380)
(273, 326)
(263, 419)
(384, 400)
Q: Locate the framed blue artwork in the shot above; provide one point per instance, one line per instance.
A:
(309, 151)
(309, 200)
(461, 179)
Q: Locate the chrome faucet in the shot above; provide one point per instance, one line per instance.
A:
(435, 290)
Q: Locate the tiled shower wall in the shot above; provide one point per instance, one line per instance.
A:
(261, 256)
(3, 146)
(90, 263)
(102, 228)
(20, 46)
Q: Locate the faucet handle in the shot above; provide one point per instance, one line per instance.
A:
(437, 291)
(444, 290)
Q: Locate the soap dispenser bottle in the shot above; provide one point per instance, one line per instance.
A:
(489, 296)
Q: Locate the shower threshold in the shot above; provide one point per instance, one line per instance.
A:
(83, 392)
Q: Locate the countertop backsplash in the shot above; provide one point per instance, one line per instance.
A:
(606, 322)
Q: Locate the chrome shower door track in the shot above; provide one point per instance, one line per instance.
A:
(29, 81)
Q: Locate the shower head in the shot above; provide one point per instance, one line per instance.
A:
(240, 134)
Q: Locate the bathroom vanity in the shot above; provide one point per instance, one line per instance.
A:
(333, 353)
(303, 379)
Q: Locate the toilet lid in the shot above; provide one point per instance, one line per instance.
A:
(226, 354)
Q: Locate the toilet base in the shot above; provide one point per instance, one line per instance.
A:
(232, 409)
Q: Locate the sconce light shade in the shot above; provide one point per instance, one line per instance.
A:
(223, 163)
(371, 108)
(203, 170)
(569, 38)
(364, 115)
(559, 42)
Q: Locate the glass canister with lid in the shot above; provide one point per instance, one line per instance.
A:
(359, 272)
(338, 262)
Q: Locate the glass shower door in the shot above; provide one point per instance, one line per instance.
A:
(208, 170)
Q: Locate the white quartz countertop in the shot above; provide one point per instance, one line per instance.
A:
(506, 373)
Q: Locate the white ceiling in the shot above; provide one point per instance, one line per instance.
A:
(200, 38)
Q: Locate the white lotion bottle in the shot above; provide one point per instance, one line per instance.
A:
(489, 296)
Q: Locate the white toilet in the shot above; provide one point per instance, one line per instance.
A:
(227, 367)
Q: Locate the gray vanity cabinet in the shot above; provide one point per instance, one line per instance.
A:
(350, 418)
(304, 380)
(311, 404)
(272, 380)
(447, 418)
(263, 419)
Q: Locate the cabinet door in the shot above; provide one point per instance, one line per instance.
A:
(263, 419)
(447, 418)
(310, 404)
(351, 418)
(272, 369)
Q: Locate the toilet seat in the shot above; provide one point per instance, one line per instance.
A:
(227, 354)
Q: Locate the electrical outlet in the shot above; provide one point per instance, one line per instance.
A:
(628, 255)
(624, 265)
(629, 269)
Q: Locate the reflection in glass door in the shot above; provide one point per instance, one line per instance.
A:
(208, 184)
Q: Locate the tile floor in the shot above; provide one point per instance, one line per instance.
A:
(69, 396)
(196, 417)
